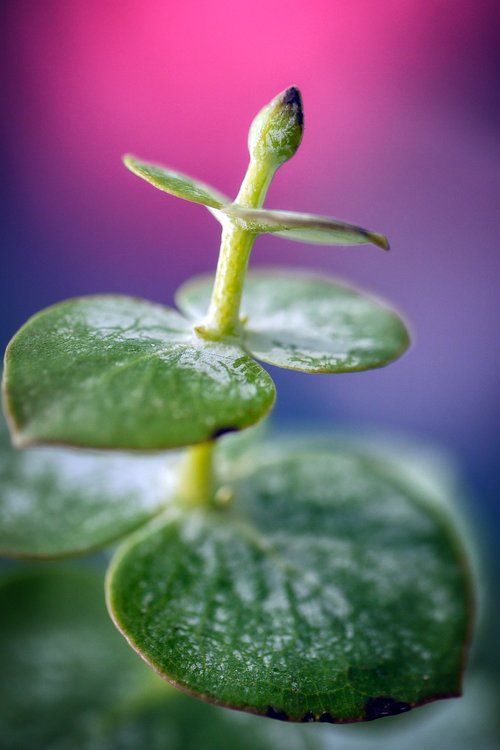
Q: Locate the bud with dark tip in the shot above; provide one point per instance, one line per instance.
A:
(276, 132)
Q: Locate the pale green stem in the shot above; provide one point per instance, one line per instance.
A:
(255, 184)
(223, 317)
(196, 484)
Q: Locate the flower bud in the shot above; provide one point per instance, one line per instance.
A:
(276, 132)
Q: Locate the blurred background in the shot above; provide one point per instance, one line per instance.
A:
(401, 135)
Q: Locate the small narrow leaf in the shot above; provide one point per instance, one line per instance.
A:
(310, 323)
(58, 502)
(176, 183)
(123, 373)
(332, 592)
(310, 228)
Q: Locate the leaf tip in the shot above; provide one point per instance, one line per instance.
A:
(380, 240)
(128, 160)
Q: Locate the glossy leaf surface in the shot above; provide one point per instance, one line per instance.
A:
(118, 372)
(56, 502)
(68, 681)
(176, 183)
(310, 228)
(330, 591)
(307, 322)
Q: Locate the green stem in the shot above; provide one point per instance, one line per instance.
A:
(196, 485)
(255, 184)
(223, 317)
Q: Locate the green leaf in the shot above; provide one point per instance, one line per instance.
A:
(69, 682)
(118, 372)
(56, 502)
(176, 183)
(306, 322)
(331, 590)
(320, 230)
(179, 722)
(61, 665)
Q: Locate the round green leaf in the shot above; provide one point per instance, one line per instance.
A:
(176, 183)
(307, 322)
(69, 682)
(56, 502)
(330, 591)
(310, 228)
(118, 372)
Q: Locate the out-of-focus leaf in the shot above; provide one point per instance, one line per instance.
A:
(56, 502)
(463, 724)
(61, 665)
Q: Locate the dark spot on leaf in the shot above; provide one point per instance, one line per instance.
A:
(376, 708)
(327, 718)
(222, 431)
(272, 713)
(309, 716)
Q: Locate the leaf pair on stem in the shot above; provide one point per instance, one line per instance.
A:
(329, 587)
(118, 372)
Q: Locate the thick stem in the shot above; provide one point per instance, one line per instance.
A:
(223, 317)
(196, 484)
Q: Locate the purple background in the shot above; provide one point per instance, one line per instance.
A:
(402, 114)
